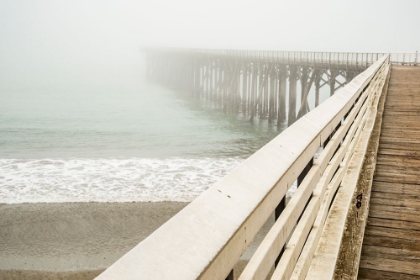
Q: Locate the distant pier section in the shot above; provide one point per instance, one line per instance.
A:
(274, 85)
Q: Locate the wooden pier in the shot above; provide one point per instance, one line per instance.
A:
(264, 84)
(355, 159)
(391, 245)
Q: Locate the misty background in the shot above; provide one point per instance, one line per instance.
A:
(97, 43)
(78, 121)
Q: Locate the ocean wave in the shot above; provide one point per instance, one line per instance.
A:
(109, 180)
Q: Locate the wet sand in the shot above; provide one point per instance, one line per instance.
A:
(76, 240)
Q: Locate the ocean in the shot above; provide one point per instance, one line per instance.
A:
(143, 142)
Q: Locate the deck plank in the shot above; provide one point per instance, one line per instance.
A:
(391, 244)
(386, 222)
(374, 274)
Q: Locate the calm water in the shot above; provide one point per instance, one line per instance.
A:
(141, 143)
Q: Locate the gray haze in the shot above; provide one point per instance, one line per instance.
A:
(96, 43)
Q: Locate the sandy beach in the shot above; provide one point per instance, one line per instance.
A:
(73, 240)
(76, 240)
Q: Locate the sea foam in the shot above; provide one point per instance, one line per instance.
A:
(109, 180)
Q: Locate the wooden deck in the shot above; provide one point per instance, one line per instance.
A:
(391, 246)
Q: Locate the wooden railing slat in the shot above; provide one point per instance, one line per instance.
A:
(325, 257)
(305, 258)
(285, 267)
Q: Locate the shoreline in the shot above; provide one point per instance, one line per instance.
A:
(78, 240)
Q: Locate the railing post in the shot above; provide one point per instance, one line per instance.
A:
(357, 62)
(347, 61)
(367, 61)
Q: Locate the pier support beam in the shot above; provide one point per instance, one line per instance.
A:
(317, 87)
(281, 116)
(254, 86)
(272, 92)
(292, 95)
(333, 76)
(244, 88)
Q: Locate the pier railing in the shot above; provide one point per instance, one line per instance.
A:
(339, 60)
(304, 58)
(408, 59)
(326, 59)
(322, 151)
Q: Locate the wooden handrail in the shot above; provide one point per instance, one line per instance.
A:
(289, 57)
(206, 238)
(302, 58)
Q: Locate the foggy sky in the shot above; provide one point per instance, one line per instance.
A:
(50, 42)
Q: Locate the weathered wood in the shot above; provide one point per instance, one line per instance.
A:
(351, 243)
(268, 100)
(391, 245)
(244, 89)
(399, 167)
(392, 265)
(292, 95)
(394, 212)
(397, 199)
(408, 234)
(304, 108)
(272, 90)
(397, 177)
(260, 93)
(289, 259)
(303, 85)
(317, 87)
(395, 188)
(211, 81)
(254, 85)
(374, 274)
(306, 256)
(407, 150)
(332, 81)
(325, 262)
(385, 222)
(259, 265)
(259, 96)
(219, 98)
(282, 97)
(271, 98)
(390, 253)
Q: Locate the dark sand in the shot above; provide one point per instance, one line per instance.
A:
(78, 240)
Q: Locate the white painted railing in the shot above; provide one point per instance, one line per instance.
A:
(207, 238)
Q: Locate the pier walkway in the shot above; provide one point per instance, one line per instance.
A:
(355, 160)
(391, 246)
